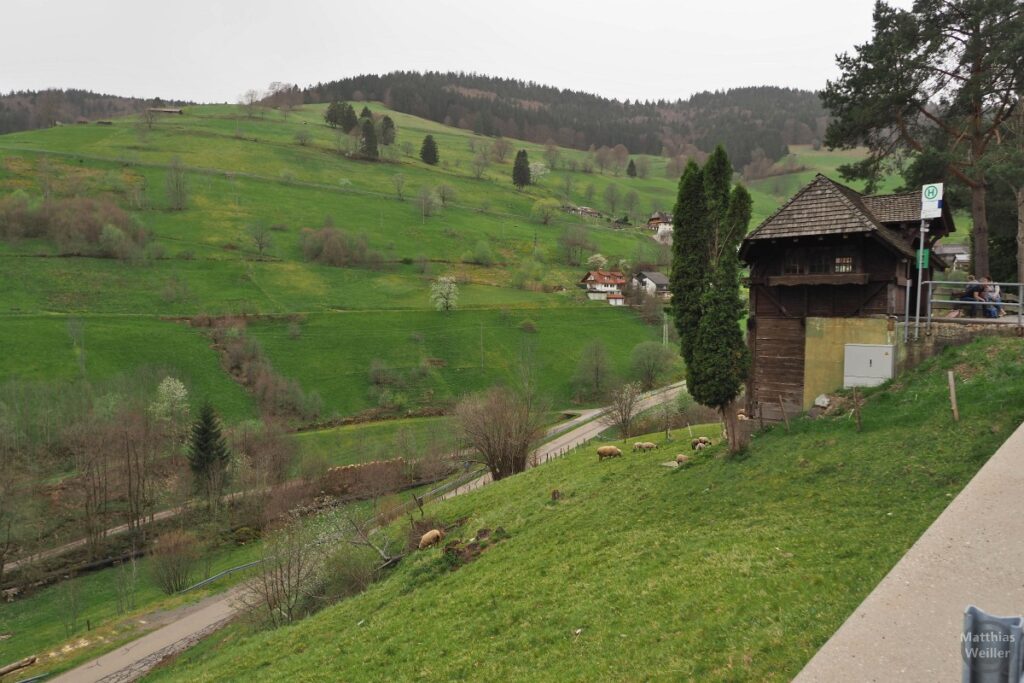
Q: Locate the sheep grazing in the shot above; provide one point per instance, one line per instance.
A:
(693, 444)
(430, 538)
(700, 446)
(682, 460)
(648, 446)
(608, 452)
(638, 446)
(704, 440)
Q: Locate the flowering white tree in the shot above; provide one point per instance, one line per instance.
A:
(444, 293)
(538, 170)
(171, 406)
(597, 262)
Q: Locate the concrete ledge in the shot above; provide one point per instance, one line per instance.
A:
(908, 628)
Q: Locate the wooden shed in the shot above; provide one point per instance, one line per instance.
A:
(829, 253)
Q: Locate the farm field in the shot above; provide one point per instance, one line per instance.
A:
(775, 547)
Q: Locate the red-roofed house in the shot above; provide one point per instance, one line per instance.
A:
(601, 284)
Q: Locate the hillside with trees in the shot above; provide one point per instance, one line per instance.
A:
(30, 109)
(743, 120)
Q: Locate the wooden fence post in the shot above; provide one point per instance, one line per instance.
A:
(856, 406)
(952, 397)
(782, 408)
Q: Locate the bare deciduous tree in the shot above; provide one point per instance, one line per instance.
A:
(500, 149)
(623, 408)
(501, 426)
(177, 187)
(398, 181)
(260, 236)
(286, 581)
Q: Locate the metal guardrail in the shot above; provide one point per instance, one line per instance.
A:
(218, 575)
(934, 288)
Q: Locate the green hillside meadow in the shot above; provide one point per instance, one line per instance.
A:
(244, 171)
(730, 569)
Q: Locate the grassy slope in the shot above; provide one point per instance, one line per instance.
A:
(335, 351)
(728, 570)
(251, 170)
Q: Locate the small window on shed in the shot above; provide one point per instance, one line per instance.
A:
(794, 263)
(844, 264)
(820, 262)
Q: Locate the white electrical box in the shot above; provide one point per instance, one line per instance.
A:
(868, 365)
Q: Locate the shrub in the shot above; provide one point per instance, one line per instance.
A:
(528, 326)
(173, 558)
(334, 247)
(481, 254)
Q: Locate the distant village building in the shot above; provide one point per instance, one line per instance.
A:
(165, 110)
(604, 285)
(652, 282)
(659, 220)
(958, 255)
(831, 268)
(584, 211)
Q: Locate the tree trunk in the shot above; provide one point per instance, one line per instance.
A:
(979, 261)
(1020, 234)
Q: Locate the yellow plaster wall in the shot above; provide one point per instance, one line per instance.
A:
(826, 339)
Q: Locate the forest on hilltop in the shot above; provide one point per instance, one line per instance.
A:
(743, 119)
(31, 109)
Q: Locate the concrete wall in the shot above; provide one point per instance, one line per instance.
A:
(825, 348)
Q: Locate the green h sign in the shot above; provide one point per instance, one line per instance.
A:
(923, 257)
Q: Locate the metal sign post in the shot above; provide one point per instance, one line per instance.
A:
(931, 207)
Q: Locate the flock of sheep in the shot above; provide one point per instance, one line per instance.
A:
(697, 444)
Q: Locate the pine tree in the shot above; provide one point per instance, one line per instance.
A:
(208, 455)
(366, 113)
(428, 151)
(387, 131)
(689, 277)
(368, 141)
(348, 118)
(631, 169)
(521, 170)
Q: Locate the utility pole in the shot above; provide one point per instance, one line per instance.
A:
(481, 344)
(664, 327)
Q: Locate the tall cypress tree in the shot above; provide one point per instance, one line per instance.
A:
(428, 151)
(689, 275)
(710, 220)
(631, 169)
(208, 455)
(521, 170)
(720, 359)
(368, 141)
(349, 120)
(387, 131)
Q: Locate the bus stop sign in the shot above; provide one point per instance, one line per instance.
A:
(931, 201)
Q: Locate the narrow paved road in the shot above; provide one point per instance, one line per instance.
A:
(131, 661)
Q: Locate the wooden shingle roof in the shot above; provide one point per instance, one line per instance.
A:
(825, 207)
(904, 207)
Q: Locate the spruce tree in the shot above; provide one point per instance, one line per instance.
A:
(631, 169)
(208, 455)
(521, 170)
(428, 151)
(348, 118)
(366, 113)
(368, 141)
(387, 131)
(689, 276)
(333, 114)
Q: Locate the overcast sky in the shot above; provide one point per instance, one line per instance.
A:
(211, 51)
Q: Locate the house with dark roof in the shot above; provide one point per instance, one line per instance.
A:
(653, 282)
(830, 268)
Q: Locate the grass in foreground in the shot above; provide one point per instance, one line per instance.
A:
(730, 569)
